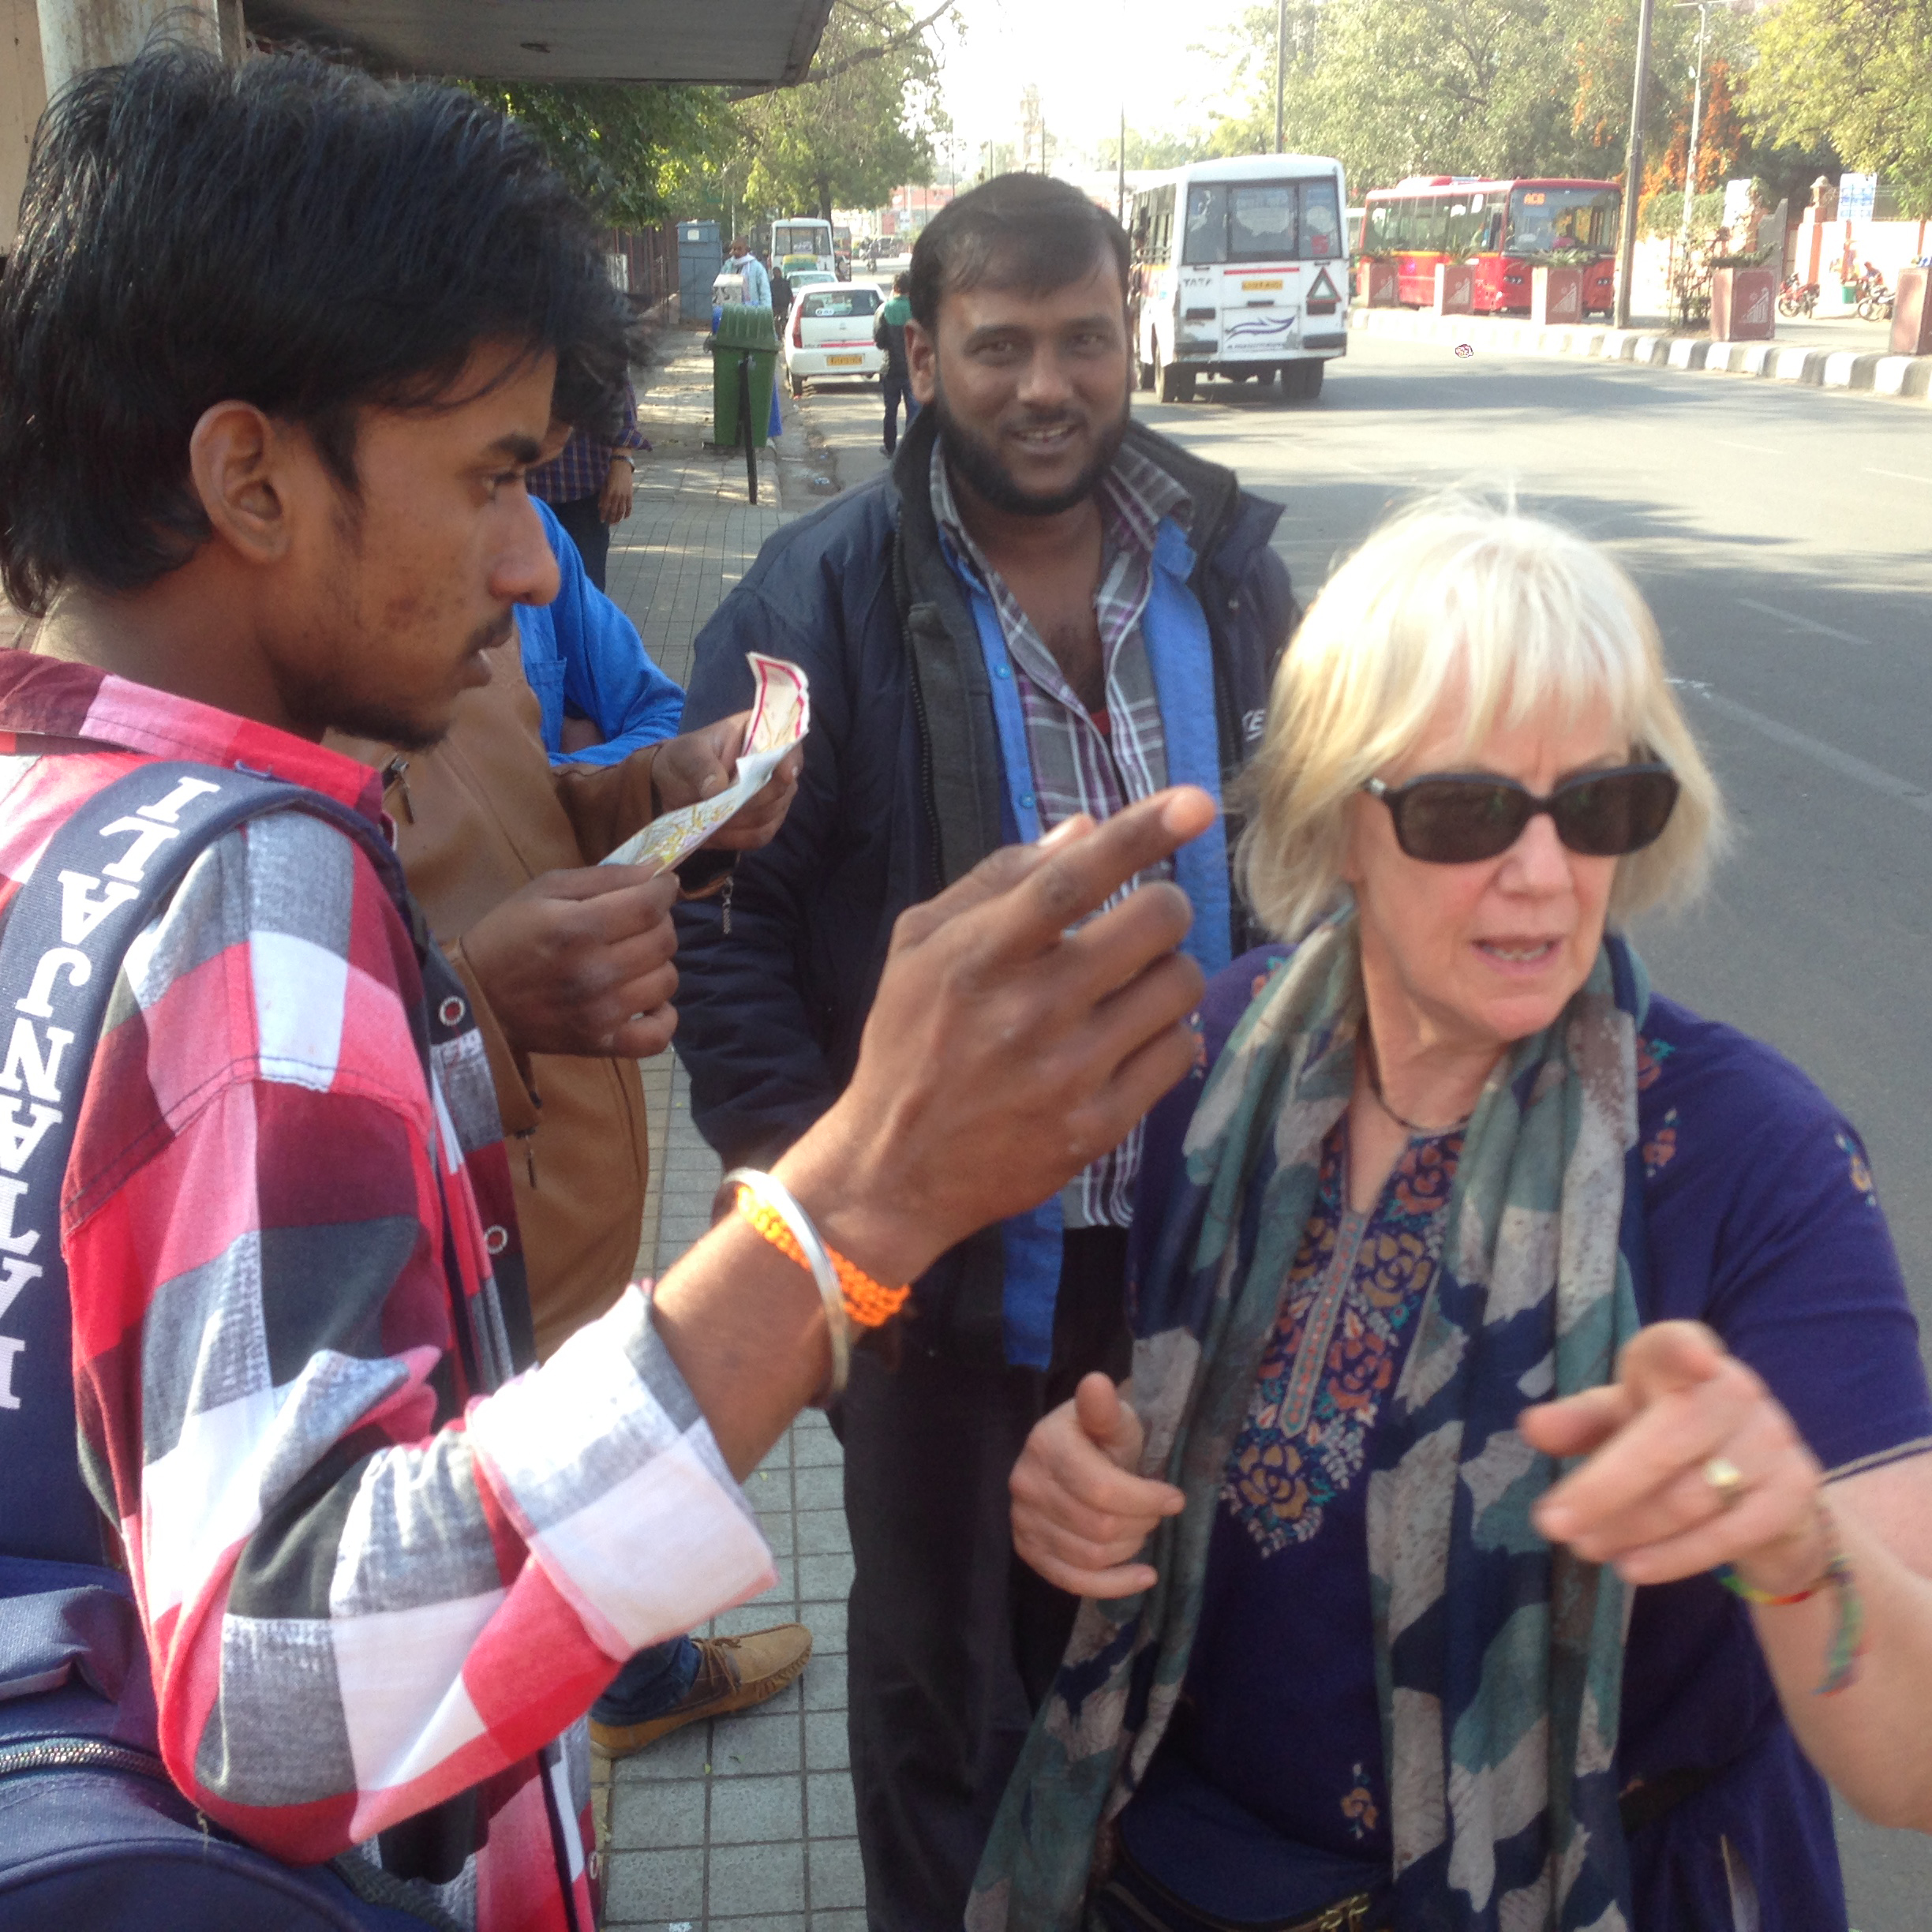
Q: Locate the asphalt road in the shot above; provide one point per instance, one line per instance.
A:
(1785, 539)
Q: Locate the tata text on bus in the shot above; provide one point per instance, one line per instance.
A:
(804, 242)
(1506, 229)
(1240, 271)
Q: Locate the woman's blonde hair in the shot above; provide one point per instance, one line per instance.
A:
(1520, 617)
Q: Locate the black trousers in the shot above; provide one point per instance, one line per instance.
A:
(894, 389)
(581, 517)
(953, 1640)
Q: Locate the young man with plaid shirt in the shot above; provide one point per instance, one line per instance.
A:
(1043, 611)
(277, 348)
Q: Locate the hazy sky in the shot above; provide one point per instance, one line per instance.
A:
(1086, 57)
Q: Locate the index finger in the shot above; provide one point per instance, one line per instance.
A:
(1079, 874)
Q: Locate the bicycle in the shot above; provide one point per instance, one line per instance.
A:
(1797, 299)
(1875, 300)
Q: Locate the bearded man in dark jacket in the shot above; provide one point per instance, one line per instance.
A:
(1042, 610)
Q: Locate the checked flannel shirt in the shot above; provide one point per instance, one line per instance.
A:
(1079, 765)
(580, 469)
(371, 1581)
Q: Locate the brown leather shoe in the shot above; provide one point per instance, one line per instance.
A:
(733, 1673)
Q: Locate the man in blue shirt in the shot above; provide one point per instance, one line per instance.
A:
(601, 697)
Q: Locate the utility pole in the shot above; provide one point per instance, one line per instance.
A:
(1281, 70)
(1633, 166)
(1697, 115)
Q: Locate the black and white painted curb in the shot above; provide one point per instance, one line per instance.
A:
(1908, 376)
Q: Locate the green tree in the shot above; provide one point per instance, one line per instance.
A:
(628, 151)
(1153, 151)
(859, 124)
(1856, 74)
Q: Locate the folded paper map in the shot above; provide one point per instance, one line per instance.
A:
(780, 717)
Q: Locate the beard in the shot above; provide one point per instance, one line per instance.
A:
(976, 461)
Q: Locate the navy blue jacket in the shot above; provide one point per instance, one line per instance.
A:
(900, 794)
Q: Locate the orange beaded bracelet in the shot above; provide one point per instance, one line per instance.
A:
(868, 1303)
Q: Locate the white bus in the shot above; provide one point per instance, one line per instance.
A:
(804, 242)
(1239, 270)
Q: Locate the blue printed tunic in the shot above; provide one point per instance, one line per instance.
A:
(1268, 1796)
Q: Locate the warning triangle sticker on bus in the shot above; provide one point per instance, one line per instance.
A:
(1322, 289)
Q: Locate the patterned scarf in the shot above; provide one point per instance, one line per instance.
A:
(1499, 1658)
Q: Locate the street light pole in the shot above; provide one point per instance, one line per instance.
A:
(1633, 166)
(1697, 115)
(1281, 68)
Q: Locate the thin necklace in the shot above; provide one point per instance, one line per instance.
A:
(1414, 1128)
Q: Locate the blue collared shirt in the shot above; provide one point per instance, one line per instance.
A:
(582, 651)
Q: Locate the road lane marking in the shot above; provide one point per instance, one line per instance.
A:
(1804, 623)
(1872, 776)
(1749, 449)
(1903, 476)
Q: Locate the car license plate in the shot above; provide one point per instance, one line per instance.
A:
(833, 362)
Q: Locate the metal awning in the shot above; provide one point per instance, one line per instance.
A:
(738, 42)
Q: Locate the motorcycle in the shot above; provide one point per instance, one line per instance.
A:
(1796, 297)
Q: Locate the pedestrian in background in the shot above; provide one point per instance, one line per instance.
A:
(889, 332)
(757, 288)
(589, 482)
(1043, 612)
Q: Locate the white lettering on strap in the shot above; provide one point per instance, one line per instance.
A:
(24, 1242)
(15, 1274)
(168, 810)
(9, 1349)
(81, 912)
(148, 838)
(24, 1057)
(17, 1143)
(55, 961)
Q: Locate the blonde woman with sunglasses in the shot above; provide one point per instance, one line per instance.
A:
(1527, 1413)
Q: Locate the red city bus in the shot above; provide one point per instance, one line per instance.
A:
(1505, 228)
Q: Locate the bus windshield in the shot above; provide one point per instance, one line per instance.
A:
(1543, 220)
(1262, 221)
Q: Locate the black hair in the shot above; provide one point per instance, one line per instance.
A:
(1022, 231)
(287, 233)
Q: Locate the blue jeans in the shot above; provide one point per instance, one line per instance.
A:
(649, 1684)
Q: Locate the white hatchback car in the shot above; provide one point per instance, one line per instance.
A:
(830, 334)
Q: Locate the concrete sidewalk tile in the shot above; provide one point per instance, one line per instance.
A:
(837, 1879)
(756, 1810)
(816, 1445)
(827, 1622)
(824, 1682)
(825, 1579)
(655, 1886)
(826, 1744)
(820, 1530)
(744, 1878)
(654, 1816)
(830, 1806)
(838, 1922)
(822, 1487)
(758, 1744)
(680, 1755)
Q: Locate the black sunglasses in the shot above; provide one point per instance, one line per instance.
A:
(1454, 818)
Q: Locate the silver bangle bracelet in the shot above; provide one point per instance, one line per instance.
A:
(775, 1195)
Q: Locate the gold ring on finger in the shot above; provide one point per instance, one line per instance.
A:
(1727, 1479)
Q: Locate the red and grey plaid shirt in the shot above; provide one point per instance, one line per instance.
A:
(368, 1584)
(580, 468)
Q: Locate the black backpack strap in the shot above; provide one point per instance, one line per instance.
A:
(98, 881)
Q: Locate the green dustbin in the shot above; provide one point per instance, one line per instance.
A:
(742, 331)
